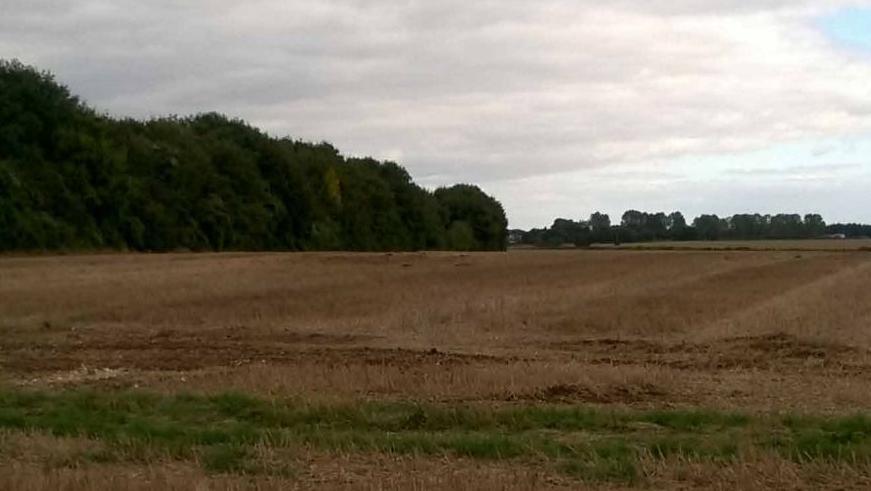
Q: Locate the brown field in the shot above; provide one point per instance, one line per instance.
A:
(757, 333)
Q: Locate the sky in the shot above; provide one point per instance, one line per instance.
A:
(559, 108)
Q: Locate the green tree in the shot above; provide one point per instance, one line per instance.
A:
(600, 227)
(814, 225)
(70, 178)
(786, 226)
(461, 236)
(708, 227)
(677, 226)
(467, 203)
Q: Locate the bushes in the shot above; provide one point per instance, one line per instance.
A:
(72, 179)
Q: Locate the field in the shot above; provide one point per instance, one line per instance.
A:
(522, 370)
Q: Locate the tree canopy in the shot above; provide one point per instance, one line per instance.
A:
(638, 226)
(71, 178)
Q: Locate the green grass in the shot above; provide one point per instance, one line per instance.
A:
(593, 444)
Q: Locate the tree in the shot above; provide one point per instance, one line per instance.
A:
(786, 226)
(642, 226)
(676, 221)
(565, 231)
(708, 227)
(600, 227)
(656, 225)
(70, 178)
(485, 215)
(633, 219)
(850, 230)
(461, 237)
(746, 226)
(632, 226)
(677, 226)
(814, 225)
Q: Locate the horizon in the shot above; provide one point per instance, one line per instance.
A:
(558, 109)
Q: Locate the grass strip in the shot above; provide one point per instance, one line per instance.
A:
(590, 443)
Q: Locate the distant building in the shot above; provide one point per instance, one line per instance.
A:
(515, 236)
(835, 236)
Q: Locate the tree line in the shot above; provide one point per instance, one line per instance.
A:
(71, 178)
(638, 226)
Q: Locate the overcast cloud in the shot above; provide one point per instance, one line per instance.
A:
(559, 107)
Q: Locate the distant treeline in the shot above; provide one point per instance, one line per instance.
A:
(638, 226)
(71, 178)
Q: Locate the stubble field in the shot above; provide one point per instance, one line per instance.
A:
(519, 370)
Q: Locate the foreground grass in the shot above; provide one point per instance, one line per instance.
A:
(222, 432)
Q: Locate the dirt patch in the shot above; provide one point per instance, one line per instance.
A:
(165, 349)
(161, 353)
(782, 351)
(777, 351)
(617, 394)
(781, 345)
(80, 376)
(628, 346)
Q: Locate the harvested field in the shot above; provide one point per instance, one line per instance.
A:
(519, 370)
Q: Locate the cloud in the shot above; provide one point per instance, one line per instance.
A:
(576, 195)
(490, 91)
(815, 171)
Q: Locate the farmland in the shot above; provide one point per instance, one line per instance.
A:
(527, 369)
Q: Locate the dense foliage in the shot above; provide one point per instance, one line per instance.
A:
(850, 229)
(71, 178)
(637, 226)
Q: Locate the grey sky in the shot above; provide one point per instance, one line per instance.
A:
(558, 107)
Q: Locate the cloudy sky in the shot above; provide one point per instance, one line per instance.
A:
(558, 107)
